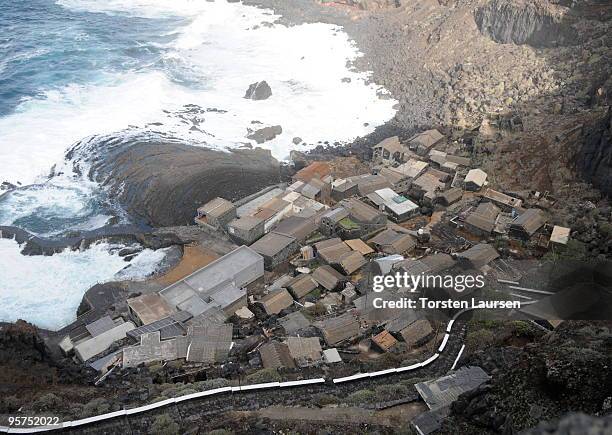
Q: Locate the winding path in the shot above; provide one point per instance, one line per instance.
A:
(335, 383)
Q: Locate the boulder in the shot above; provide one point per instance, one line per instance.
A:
(265, 134)
(258, 91)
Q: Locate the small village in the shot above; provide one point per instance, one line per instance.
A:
(294, 295)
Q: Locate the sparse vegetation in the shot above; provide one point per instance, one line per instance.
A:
(164, 425)
(264, 375)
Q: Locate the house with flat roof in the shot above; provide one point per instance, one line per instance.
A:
(364, 214)
(216, 213)
(398, 207)
(219, 284)
(369, 183)
(504, 202)
(102, 339)
(416, 333)
(246, 230)
(294, 322)
(275, 248)
(330, 220)
(428, 185)
(297, 227)
(148, 308)
(449, 197)
(560, 235)
(344, 188)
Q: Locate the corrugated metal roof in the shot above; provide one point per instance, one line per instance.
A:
(276, 301)
(328, 277)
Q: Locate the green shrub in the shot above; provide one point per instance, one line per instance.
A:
(361, 396)
(48, 402)
(263, 376)
(479, 339)
(325, 399)
(164, 425)
(96, 407)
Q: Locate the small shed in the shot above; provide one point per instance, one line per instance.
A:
(477, 256)
(417, 332)
(359, 246)
(560, 235)
(338, 329)
(352, 262)
(304, 350)
(275, 248)
(481, 221)
(527, 224)
(475, 179)
(276, 301)
(393, 242)
(384, 341)
(217, 213)
(275, 355)
(301, 285)
(328, 277)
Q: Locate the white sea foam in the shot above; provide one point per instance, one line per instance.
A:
(47, 290)
(223, 48)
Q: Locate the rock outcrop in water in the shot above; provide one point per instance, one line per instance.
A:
(258, 91)
(164, 183)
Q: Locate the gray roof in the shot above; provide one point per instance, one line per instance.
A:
(530, 221)
(294, 322)
(335, 214)
(484, 217)
(209, 344)
(427, 138)
(275, 355)
(301, 285)
(152, 348)
(101, 325)
(479, 255)
(216, 207)
(246, 223)
(240, 267)
(442, 392)
(340, 328)
(253, 205)
(168, 327)
(272, 243)
(298, 227)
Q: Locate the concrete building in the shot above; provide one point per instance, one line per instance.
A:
(449, 197)
(338, 329)
(428, 185)
(275, 248)
(398, 207)
(504, 202)
(330, 220)
(477, 256)
(276, 301)
(475, 180)
(392, 242)
(294, 322)
(299, 228)
(332, 250)
(331, 356)
(246, 230)
(342, 189)
(423, 142)
(369, 183)
(168, 327)
(364, 214)
(482, 221)
(527, 224)
(351, 262)
(148, 308)
(102, 340)
(216, 213)
(417, 332)
(220, 284)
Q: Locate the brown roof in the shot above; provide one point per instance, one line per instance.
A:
(328, 277)
(216, 207)
(264, 213)
(392, 242)
(416, 331)
(385, 340)
(479, 255)
(304, 348)
(275, 355)
(359, 246)
(391, 144)
(501, 198)
(451, 195)
(314, 170)
(352, 261)
(371, 183)
(209, 344)
(301, 285)
(427, 138)
(275, 204)
(245, 222)
(530, 221)
(334, 253)
(150, 308)
(327, 243)
(276, 301)
(340, 328)
(484, 217)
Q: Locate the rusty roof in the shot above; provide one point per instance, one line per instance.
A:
(150, 308)
(314, 170)
(385, 340)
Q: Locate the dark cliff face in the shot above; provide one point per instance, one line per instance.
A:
(533, 22)
(165, 182)
(594, 160)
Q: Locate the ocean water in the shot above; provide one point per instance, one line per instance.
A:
(87, 70)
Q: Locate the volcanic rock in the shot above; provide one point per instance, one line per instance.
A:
(258, 91)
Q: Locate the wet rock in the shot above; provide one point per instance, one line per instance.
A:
(265, 134)
(258, 91)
